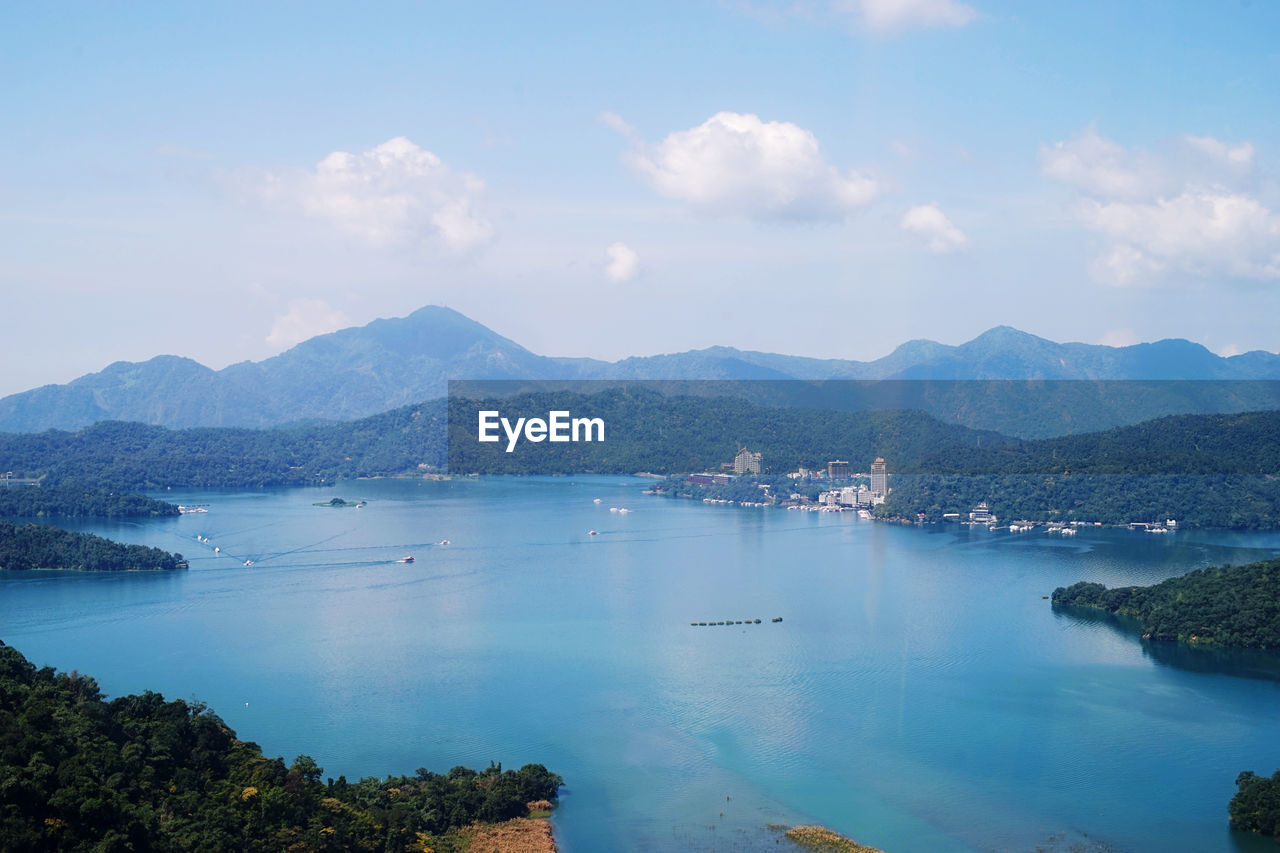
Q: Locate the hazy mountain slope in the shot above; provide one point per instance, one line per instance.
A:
(364, 370)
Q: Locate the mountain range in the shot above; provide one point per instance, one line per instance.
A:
(360, 371)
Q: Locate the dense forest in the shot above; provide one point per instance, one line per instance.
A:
(116, 455)
(1233, 606)
(1243, 444)
(138, 773)
(1194, 500)
(73, 502)
(1256, 804)
(39, 546)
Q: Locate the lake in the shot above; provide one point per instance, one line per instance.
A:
(919, 694)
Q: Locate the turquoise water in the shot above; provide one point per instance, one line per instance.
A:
(919, 694)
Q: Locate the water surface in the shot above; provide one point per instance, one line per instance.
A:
(919, 694)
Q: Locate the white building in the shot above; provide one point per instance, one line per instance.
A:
(746, 462)
(879, 478)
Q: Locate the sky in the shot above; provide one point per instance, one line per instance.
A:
(826, 178)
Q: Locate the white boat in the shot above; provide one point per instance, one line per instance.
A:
(406, 559)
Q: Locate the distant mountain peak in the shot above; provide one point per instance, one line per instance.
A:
(397, 361)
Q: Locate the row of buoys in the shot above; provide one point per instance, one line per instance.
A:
(736, 622)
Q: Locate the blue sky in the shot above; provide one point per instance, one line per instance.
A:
(819, 178)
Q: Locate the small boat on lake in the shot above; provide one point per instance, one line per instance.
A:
(406, 559)
(592, 533)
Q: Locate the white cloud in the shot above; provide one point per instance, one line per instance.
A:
(735, 164)
(1188, 211)
(1230, 350)
(929, 222)
(306, 318)
(615, 122)
(1205, 233)
(623, 263)
(895, 16)
(1236, 156)
(1101, 167)
(393, 194)
(1119, 338)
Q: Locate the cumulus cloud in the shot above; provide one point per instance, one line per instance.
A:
(1101, 167)
(622, 263)
(1204, 232)
(930, 223)
(305, 318)
(1187, 211)
(895, 16)
(391, 195)
(735, 164)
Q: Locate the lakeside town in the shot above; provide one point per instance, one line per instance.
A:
(840, 489)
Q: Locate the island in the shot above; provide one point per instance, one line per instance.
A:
(142, 773)
(339, 503)
(40, 546)
(1227, 606)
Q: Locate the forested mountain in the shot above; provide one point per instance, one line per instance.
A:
(142, 774)
(1203, 470)
(391, 363)
(134, 456)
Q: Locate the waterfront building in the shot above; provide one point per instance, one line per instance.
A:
(879, 478)
(746, 462)
(981, 514)
(838, 469)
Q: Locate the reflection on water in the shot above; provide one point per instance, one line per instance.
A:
(1239, 663)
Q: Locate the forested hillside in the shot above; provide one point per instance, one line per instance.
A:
(40, 546)
(117, 455)
(1236, 606)
(138, 773)
(73, 502)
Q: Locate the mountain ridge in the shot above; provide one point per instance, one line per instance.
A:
(390, 362)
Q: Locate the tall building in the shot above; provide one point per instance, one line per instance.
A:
(838, 470)
(746, 462)
(879, 478)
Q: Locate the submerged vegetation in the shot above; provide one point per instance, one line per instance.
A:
(1233, 606)
(822, 840)
(139, 773)
(39, 546)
